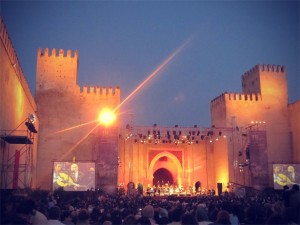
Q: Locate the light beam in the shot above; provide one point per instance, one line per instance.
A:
(156, 71)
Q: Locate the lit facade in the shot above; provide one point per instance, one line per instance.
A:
(18, 146)
(250, 130)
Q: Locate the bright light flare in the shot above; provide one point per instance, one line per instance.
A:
(107, 117)
(156, 71)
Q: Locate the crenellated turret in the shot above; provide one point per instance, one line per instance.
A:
(60, 53)
(225, 97)
(276, 69)
(103, 91)
(56, 70)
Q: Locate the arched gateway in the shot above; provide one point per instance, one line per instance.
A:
(165, 168)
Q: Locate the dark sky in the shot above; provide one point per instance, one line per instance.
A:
(120, 43)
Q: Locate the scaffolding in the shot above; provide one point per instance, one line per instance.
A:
(16, 158)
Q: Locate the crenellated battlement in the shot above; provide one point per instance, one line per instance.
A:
(96, 90)
(12, 55)
(264, 68)
(236, 97)
(59, 53)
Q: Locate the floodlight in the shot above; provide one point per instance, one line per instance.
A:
(106, 117)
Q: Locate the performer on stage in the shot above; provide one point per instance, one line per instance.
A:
(292, 175)
(77, 177)
(56, 176)
(62, 179)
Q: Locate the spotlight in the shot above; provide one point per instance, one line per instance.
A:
(32, 118)
(31, 127)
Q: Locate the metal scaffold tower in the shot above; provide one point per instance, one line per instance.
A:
(17, 156)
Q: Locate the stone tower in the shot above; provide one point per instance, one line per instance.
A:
(260, 112)
(68, 114)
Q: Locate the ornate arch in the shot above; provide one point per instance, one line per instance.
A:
(173, 158)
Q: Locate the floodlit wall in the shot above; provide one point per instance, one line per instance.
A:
(294, 116)
(17, 103)
(263, 101)
(68, 113)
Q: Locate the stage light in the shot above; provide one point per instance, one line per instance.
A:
(106, 117)
(32, 118)
(31, 127)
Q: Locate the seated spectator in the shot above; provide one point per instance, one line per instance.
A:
(163, 217)
(37, 217)
(188, 219)
(129, 220)
(143, 221)
(66, 218)
(223, 218)
(83, 217)
(175, 216)
(54, 216)
(202, 217)
(148, 212)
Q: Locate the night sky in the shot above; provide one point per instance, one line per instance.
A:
(121, 43)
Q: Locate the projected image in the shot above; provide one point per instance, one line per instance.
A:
(286, 174)
(79, 176)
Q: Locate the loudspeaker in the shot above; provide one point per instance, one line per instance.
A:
(219, 186)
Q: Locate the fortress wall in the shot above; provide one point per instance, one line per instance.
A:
(68, 112)
(56, 69)
(97, 91)
(294, 116)
(8, 52)
(264, 98)
(16, 102)
(269, 80)
(227, 105)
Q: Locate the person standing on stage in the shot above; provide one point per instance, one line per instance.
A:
(292, 175)
(77, 177)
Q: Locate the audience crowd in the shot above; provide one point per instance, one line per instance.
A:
(99, 208)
